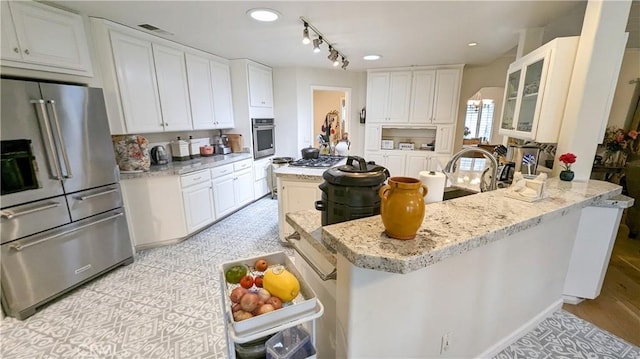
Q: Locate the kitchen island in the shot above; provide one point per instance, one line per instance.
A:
(482, 271)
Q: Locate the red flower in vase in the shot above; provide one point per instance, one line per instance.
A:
(567, 159)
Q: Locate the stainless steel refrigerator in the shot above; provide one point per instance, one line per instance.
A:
(61, 218)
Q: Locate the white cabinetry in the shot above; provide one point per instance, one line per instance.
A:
(171, 74)
(296, 195)
(41, 37)
(232, 186)
(444, 139)
(198, 199)
(137, 83)
(394, 161)
(388, 96)
(372, 137)
(435, 96)
(260, 86)
(536, 91)
(210, 93)
(262, 176)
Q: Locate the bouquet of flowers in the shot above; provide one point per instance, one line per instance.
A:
(567, 160)
(619, 140)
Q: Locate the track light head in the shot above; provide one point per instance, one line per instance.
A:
(316, 44)
(333, 54)
(345, 63)
(305, 34)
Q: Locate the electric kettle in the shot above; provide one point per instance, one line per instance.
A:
(159, 155)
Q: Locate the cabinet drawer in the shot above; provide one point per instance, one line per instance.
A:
(26, 219)
(240, 165)
(87, 203)
(195, 178)
(222, 170)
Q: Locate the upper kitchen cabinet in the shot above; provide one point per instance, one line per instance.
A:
(536, 91)
(171, 73)
(137, 84)
(260, 86)
(210, 93)
(41, 37)
(388, 96)
(435, 95)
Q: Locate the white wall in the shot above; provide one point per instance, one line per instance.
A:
(622, 108)
(293, 103)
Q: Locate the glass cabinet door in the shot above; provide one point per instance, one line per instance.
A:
(532, 78)
(510, 100)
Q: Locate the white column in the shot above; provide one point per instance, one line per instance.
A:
(597, 64)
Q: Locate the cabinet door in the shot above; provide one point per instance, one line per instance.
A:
(224, 197)
(243, 187)
(137, 82)
(222, 102)
(422, 96)
(395, 163)
(260, 86)
(377, 97)
(50, 36)
(446, 96)
(377, 157)
(200, 92)
(399, 96)
(198, 206)
(529, 108)
(444, 139)
(372, 137)
(294, 196)
(415, 164)
(10, 48)
(510, 100)
(171, 73)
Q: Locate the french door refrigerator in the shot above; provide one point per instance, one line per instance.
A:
(61, 216)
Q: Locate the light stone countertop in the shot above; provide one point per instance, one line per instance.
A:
(456, 226)
(174, 168)
(302, 173)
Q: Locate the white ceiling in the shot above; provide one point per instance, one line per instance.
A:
(404, 33)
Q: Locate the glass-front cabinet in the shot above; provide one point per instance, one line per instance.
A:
(536, 91)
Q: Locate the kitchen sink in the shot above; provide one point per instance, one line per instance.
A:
(456, 192)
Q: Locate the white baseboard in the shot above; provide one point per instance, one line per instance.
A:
(521, 331)
(569, 299)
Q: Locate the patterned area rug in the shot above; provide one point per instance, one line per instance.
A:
(167, 305)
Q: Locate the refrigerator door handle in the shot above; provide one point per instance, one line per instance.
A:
(63, 147)
(84, 198)
(8, 214)
(19, 247)
(48, 136)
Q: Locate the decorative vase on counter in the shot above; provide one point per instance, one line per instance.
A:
(567, 175)
(402, 206)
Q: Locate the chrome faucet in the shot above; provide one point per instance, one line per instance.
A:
(450, 166)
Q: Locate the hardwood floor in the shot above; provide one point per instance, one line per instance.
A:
(617, 309)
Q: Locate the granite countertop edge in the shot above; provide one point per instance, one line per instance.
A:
(379, 252)
(177, 168)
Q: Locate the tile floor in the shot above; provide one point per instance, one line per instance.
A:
(167, 305)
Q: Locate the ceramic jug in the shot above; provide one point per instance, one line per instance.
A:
(402, 206)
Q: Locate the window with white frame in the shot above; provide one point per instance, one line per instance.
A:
(479, 119)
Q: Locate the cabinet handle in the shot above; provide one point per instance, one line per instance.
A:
(197, 178)
(16, 50)
(27, 51)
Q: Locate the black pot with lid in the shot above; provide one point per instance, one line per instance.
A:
(350, 191)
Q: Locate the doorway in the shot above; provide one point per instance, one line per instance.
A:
(330, 107)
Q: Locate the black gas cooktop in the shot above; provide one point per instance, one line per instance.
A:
(322, 161)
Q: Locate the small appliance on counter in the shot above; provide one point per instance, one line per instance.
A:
(159, 155)
(221, 145)
(350, 191)
(180, 150)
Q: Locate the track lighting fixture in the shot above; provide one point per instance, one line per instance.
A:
(333, 52)
(305, 34)
(316, 44)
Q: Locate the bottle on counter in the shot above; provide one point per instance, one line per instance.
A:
(190, 149)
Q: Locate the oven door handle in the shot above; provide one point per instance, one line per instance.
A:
(264, 127)
(52, 157)
(63, 147)
(19, 247)
(324, 276)
(11, 215)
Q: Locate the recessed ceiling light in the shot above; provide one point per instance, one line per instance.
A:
(372, 57)
(263, 14)
(471, 44)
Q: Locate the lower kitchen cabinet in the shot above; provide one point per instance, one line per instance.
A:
(408, 163)
(296, 195)
(198, 200)
(224, 198)
(262, 177)
(233, 186)
(395, 163)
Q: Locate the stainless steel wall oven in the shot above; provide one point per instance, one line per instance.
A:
(264, 137)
